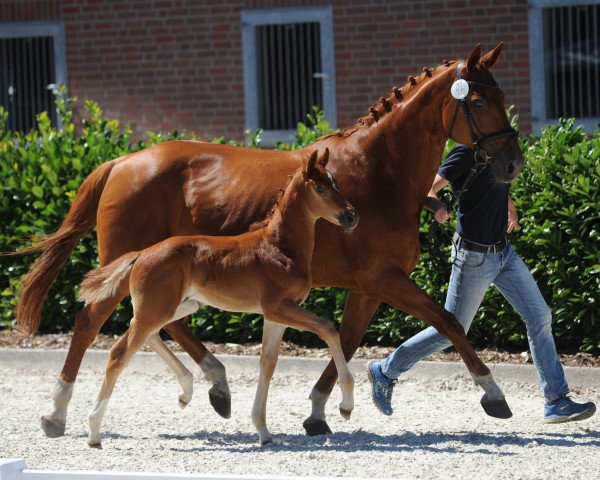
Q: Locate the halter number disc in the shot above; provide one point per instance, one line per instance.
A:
(460, 89)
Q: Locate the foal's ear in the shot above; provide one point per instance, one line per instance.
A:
(324, 159)
(311, 161)
(490, 58)
(474, 57)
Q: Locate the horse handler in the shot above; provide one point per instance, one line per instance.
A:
(481, 256)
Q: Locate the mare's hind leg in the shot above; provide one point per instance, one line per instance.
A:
(120, 354)
(87, 325)
(271, 340)
(214, 371)
(184, 376)
(358, 311)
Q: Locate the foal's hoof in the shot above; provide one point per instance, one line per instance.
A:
(220, 401)
(52, 428)
(97, 445)
(266, 442)
(183, 404)
(346, 414)
(495, 408)
(316, 427)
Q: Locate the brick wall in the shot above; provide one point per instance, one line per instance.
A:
(158, 64)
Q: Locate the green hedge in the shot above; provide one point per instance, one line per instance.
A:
(556, 195)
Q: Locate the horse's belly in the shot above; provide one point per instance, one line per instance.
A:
(228, 301)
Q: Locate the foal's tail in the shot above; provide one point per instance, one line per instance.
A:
(56, 249)
(102, 283)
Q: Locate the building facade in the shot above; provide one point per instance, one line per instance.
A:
(220, 67)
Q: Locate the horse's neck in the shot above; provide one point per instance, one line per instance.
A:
(407, 144)
(292, 226)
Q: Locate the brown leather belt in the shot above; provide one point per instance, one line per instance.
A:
(477, 247)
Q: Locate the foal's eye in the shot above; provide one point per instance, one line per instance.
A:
(320, 189)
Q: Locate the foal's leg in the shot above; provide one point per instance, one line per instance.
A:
(294, 316)
(120, 354)
(184, 376)
(358, 311)
(214, 371)
(271, 340)
(88, 322)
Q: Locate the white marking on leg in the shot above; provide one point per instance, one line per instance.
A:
(95, 421)
(184, 376)
(489, 385)
(271, 340)
(318, 400)
(215, 373)
(61, 395)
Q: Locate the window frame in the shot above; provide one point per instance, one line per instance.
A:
(537, 65)
(43, 28)
(321, 14)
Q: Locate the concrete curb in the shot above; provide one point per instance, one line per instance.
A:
(51, 361)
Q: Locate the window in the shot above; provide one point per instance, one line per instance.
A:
(32, 57)
(564, 38)
(288, 68)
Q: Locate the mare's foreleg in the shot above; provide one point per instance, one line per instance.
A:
(88, 322)
(120, 354)
(214, 371)
(271, 340)
(184, 376)
(358, 311)
(398, 290)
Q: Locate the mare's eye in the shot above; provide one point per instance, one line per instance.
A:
(478, 103)
(320, 189)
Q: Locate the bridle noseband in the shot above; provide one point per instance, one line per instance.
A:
(484, 138)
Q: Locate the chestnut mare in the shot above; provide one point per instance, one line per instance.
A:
(263, 271)
(385, 165)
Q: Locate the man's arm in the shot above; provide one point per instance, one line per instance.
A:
(513, 218)
(441, 213)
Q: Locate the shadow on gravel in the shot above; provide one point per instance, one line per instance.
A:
(361, 441)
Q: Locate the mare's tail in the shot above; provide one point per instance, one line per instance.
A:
(102, 283)
(56, 249)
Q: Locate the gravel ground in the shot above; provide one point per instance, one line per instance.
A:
(438, 430)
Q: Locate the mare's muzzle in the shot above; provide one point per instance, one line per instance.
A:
(348, 218)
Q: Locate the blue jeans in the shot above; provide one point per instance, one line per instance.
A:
(472, 274)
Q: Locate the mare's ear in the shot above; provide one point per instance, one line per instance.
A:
(324, 159)
(474, 57)
(310, 164)
(490, 58)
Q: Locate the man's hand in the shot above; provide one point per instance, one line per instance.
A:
(442, 214)
(513, 218)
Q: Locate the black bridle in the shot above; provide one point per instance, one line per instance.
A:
(473, 127)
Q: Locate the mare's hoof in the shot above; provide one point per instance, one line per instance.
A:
(52, 428)
(346, 414)
(496, 408)
(316, 427)
(220, 401)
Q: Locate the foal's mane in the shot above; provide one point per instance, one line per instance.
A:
(396, 98)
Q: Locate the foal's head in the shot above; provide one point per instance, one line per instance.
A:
(324, 199)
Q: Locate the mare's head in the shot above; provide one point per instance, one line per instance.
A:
(475, 115)
(324, 199)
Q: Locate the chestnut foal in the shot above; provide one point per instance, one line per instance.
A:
(263, 271)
